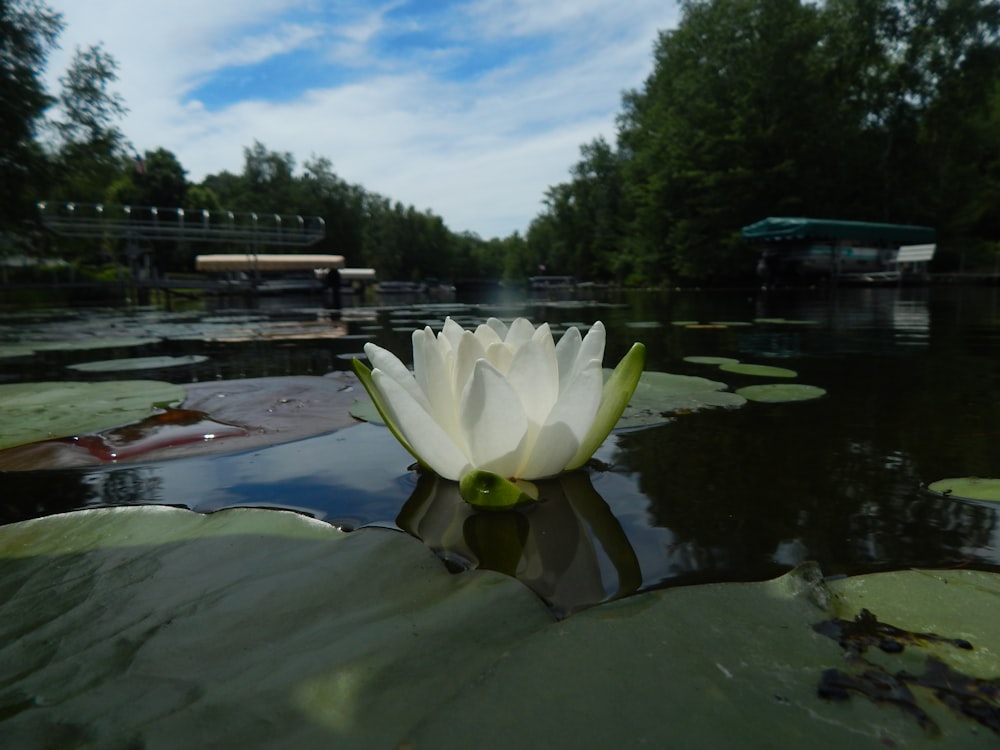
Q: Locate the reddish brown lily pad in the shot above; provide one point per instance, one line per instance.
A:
(216, 417)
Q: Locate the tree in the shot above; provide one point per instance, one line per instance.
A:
(92, 149)
(156, 179)
(28, 32)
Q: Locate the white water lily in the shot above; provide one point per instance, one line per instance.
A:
(500, 399)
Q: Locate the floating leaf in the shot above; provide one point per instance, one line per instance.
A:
(764, 371)
(699, 360)
(24, 348)
(973, 488)
(364, 409)
(779, 392)
(39, 411)
(157, 626)
(137, 363)
(786, 321)
(643, 324)
(659, 395)
(183, 630)
(271, 410)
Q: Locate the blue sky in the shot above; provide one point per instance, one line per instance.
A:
(470, 109)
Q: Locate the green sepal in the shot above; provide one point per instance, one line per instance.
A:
(488, 491)
(365, 376)
(617, 393)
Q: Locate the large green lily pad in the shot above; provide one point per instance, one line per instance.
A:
(39, 411)
(973, 488)
(249, 628)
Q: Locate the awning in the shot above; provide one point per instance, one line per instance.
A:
(266, 262)
(832, 230)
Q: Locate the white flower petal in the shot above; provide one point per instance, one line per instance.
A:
(566, 354)
(520, 331)
(591, 347)
(500, 356)
(389, 363)
(432, 444)
(498, 326)
(568, 423)
(534, 375)
(452, 332)
(488, 336)
(493, 421)
(470, 348)
(433, 375)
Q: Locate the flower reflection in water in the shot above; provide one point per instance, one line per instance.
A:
(569, 548)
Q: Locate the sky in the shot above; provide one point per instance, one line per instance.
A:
(470, 109)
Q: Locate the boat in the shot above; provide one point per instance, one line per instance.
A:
(799, 249)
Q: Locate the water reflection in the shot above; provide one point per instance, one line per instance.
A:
(911, 376)
(569, 548)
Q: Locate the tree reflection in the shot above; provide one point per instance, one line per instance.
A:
(30, 494)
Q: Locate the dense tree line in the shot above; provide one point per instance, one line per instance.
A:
(883, 110)
(880, 110)
(68, 147)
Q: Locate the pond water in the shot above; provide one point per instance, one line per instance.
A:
(911, 376)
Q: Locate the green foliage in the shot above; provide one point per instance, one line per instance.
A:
(885, 110)
(28, 32)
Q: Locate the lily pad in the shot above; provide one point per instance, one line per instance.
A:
(773, 393)
(24, 348)
(39, 411)
(699, 360)
(364, 409)
(786, 321)
(137, 363)
(764, 371)
(973, 488)
(265, 411)
(660, 395)
(179, 629)
(96, 342)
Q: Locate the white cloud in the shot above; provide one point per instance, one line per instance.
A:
(478, 144)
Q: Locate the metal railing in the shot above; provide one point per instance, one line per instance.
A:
(156, 223)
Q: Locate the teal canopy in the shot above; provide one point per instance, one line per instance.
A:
(798, 228)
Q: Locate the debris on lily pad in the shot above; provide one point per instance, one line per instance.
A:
(774, 393)
(138, 363)
(764, 371)
(972, 488)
